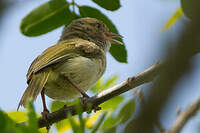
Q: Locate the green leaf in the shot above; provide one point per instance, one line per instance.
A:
(112, 103)
(97, 86)
(32, 118)
(109, 122)
(63, 126)
(191, 8)
(46, 18)
(4, 121)
(117, 51)
(98, 123)
(111, 130)
(56, 105)
(80, 117)
(127, 111)
(111, 5)
(100, 86)
(74, 126)
(7, 125)
(82, 123)
(17, 116)
(173, 19)
(111, 81)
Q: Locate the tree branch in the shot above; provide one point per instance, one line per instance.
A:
(184, 117)
(141, 78)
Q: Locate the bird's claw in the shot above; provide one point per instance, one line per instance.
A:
(44, 116)
(83, 100)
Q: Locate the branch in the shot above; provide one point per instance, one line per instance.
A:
(184, 117)
(141, 78)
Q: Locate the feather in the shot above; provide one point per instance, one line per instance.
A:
(35, 86)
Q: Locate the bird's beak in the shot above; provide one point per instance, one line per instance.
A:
(110, 36)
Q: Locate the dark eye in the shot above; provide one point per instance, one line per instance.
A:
(98, 25)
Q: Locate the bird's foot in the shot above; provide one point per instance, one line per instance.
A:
(83, 101)
(64, 107)
(96, 108)
(44, 116)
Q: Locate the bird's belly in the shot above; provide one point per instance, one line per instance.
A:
(84, 72)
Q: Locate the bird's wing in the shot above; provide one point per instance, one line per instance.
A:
(62, 51)
(35, 86)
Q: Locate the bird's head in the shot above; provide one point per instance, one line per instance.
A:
(93, 30)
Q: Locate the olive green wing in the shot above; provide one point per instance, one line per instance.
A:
(62, 51)
(35, 86)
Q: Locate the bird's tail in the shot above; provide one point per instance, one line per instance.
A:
(35, 86)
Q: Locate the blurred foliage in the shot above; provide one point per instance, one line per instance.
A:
(8, 125)
(111, 115)
(189, 8)
(173, 19)
(46, 17)
(114, 113)
(55, 13)
(111, 5)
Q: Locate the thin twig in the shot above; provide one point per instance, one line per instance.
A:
(184, 117)
(73, 7)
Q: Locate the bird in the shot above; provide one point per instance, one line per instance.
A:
(66, 70)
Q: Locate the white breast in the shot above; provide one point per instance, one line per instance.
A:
(83, 71)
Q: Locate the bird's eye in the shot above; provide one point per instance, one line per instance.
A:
(98, 25)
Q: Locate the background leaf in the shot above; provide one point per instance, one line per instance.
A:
(74, 125)
(127, 111)
(173, 19)
(191, 8)
(111, 5)
(112, 103)
(97, 87)
(5, 121)
(100, 85)
(18, 117)
(117, 51)
(109, 122)
(63, 126)
(99, 122)
(111, 130)
(32, 118)
(56, 105)
(111, 81)
(46, 18)
(92, 119)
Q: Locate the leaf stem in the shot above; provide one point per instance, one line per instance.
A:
(73, 6)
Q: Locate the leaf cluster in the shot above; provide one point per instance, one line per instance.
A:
(8, 125)
(56, 13)
(189, 8)
(114, 113)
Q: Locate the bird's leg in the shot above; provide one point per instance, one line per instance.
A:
(45, 110)
(85, 96)
(78, 88)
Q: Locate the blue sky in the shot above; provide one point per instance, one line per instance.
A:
(139, 21)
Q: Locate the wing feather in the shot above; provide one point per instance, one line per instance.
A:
(63, 51)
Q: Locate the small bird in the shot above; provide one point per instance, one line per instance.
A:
(67, 69)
